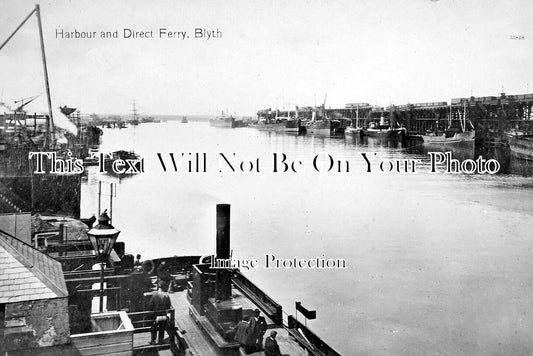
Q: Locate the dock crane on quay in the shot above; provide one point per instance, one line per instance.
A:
(50, 119)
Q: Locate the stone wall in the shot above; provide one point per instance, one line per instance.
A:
(39, 323)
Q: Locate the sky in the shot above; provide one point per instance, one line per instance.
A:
(272, 53)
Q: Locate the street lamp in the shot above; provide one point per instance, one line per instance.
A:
(103, 237)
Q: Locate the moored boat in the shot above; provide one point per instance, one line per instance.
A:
(133, 163)
(327, 127)
(448, 137)
(281, 124)
(379, 130)
(350, 130)
(225, 121)
(521, 146)
(452, 135)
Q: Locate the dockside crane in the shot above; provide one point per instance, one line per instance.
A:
(50, 121)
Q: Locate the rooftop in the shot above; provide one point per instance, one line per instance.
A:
(27, 274)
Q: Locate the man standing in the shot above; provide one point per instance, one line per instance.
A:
(260, 326)
(271, 345)
(137, 264)
(241, 332)
(251, 342)
(160, 303)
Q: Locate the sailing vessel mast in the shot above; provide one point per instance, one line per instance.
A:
(357, 116)
(463, 122)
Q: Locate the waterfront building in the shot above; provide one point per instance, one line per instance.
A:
(33, 299)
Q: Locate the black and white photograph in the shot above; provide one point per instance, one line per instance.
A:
(266, 178)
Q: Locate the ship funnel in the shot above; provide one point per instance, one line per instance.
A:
(223, 284)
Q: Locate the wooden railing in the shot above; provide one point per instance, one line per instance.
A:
(313, 343)
(143, 321)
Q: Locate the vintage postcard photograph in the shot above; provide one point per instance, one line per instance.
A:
(266, 178)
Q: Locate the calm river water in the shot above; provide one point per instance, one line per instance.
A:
(436, 263)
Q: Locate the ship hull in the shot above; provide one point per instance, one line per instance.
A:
(268, 127)
(522, 147)
(385, 133)
(230, 123)
(287, 126)
(326, 128)
(459, 137)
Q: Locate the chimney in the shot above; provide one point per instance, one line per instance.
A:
(223, 285)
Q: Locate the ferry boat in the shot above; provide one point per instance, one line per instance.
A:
(206, 303)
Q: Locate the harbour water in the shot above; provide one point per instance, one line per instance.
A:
(436, 263)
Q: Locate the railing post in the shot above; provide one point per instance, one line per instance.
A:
(173, 328)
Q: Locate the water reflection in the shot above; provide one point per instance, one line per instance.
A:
(453, 250)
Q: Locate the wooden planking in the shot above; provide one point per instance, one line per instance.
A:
(143, 341)
(125, 353)
(82, 340)
(210, 330)
(193, 335)
(198, 342)
(287, 343)
(106, 349)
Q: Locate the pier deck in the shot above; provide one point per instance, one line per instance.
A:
(197, 340)
(193, 335)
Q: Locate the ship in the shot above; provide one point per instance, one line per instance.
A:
(149, 119)
(383, 130)
(123, 163)
(449, 137)
(280, 124)
(184, 120)
(521, 146)
(224, 121)
(350, 130)
(135, 119)
(326, 127)
(452, 135)
(208, 303)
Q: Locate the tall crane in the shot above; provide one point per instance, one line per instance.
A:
(37, 12)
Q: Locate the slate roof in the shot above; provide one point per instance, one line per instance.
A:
(27, 274)
(40, 225)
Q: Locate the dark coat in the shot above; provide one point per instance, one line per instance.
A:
(160, 301)
(241, 333)
(271, 347)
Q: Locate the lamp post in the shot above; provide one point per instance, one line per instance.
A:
(103, 237)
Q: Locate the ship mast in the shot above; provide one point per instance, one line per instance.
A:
(134, 111)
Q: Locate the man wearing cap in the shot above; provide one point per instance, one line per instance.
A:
(160, 303)
(271, 345)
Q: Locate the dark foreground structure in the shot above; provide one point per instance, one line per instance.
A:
(49, 303)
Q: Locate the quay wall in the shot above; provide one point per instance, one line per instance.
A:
(36, 324)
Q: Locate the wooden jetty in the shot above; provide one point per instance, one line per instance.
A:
(489, 116)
